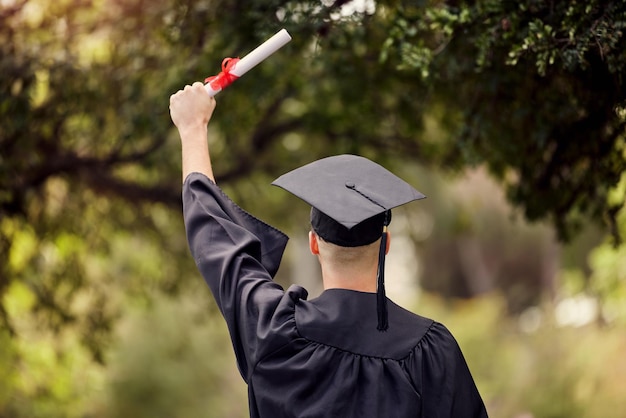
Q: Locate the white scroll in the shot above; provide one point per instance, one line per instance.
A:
(233, 68)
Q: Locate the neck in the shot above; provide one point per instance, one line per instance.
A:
(349, 278)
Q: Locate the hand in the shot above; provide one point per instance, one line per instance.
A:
(191, 108)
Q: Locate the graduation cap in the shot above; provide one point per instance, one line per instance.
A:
(351, 199)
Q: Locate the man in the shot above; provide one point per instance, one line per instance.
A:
(351, 352)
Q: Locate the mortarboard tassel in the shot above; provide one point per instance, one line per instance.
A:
(381, 297)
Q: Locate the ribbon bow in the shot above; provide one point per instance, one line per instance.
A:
(225, 77)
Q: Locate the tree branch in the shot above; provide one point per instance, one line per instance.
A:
(104, 182)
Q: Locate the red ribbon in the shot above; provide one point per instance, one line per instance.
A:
(224, 78)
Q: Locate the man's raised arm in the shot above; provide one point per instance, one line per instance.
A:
(191, 110)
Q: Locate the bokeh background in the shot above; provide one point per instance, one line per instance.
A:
(509, 116)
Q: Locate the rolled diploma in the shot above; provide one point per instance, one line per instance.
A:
(259, 54)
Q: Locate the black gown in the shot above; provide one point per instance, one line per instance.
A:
(324, 357)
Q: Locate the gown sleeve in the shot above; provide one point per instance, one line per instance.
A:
(448, 389)
(237, 255)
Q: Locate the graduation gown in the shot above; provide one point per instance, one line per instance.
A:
(323, 357)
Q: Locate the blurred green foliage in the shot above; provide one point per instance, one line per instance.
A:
(538, 369)
(174, 360)
(534, 90)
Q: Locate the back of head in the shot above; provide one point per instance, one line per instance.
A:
(348, 257)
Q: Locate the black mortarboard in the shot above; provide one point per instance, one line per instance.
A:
(351, 199)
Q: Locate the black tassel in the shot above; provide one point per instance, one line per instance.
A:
(381, 297)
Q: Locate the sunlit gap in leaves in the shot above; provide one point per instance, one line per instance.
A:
(301, 11)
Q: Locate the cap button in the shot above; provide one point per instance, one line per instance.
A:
(350, 185)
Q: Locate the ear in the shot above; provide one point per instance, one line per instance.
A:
(313, 244)
(388, 242)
